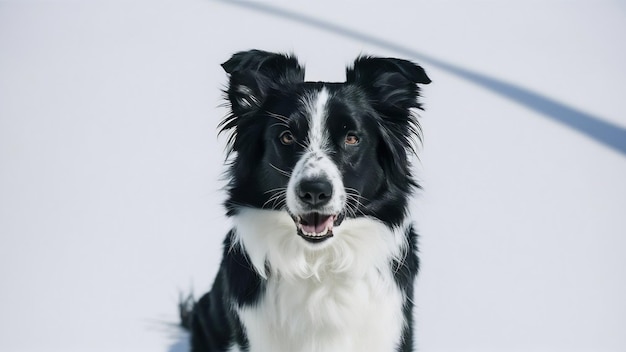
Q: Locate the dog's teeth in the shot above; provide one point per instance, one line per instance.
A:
(315, 234)
(328, 230)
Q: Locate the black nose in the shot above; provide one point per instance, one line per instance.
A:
(315, 192)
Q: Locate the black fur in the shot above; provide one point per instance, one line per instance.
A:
(375, 100)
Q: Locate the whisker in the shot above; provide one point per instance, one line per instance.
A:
(282, 172)
(354, 199)
(280, 203)
(353, 210)
(276, 190)
(282, 124)
(354, 203)
(354, 192)
(276, 198)
(279, 117)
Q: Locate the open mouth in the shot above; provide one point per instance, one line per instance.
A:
(315, 227)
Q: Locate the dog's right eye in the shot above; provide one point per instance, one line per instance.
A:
(286, 138)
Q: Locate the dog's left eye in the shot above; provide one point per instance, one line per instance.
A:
(286, 138)
(352, 139)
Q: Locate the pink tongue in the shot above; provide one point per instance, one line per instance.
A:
(323, 221)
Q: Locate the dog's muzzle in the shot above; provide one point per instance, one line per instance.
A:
(316, 223)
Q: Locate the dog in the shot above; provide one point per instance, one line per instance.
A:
(322, 255)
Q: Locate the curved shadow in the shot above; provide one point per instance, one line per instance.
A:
(182, 345)
(604, 132)
(180, 341)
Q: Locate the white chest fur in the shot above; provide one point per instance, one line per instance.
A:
(337, 315)
(340, 298)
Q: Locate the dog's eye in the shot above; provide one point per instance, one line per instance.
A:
(352, 139)
(286, 138)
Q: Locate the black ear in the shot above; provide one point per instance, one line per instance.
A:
(254, 73)
(391, 88)
(390, 83)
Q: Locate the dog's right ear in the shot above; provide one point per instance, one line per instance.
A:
(254, 73)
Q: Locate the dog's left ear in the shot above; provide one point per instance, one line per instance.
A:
(391, 88)
(391, 83)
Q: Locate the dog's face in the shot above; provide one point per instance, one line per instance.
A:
(321, 151)
(326, 148)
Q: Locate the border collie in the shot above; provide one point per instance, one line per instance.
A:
(322, 256)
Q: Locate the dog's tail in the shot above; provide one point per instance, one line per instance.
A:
(186, 304)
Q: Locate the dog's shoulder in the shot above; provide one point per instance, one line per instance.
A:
(242, 283)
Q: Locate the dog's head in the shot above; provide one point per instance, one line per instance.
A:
(321, 151)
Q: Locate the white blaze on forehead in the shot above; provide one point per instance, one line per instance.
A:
(317, 114)
(315, 162)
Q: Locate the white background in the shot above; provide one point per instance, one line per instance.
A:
(110, 190)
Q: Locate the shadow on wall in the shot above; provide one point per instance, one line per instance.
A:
(594, 127)
(180, 341)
